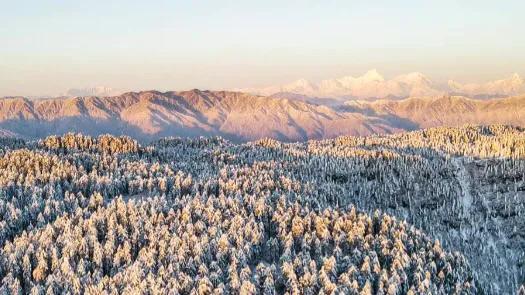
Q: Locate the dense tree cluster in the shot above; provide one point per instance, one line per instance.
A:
(204, 215)
(472, 141)
(227, 244)
(9, 143)
(104, 143)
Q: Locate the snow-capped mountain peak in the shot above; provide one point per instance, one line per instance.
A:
(372, 85)
(93, 91)
(414, 78)
(301, 85)
(504, 87)
(371, 75)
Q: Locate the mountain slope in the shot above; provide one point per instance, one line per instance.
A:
(447, 110)
(239, 116)
(152, 114)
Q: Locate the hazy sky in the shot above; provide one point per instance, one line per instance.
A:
(50, 46)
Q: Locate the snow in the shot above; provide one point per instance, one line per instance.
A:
(372, 85)
(463, 180)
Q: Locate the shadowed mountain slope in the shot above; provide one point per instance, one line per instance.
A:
(446, 110)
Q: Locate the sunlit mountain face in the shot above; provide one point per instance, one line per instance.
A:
(237, 116)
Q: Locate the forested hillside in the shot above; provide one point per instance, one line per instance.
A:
(434, 211)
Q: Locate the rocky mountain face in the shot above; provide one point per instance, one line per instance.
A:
(240, 116)
(152, 114)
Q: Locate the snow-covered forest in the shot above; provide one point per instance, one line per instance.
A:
(437, 211)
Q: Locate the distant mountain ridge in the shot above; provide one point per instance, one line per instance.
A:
(93, 91)
(372, 85)
(446, 110)
(240, 116)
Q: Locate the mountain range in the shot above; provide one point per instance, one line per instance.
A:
(238, 116)
(373, 85)
(93, 91)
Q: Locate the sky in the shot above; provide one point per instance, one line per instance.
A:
(47, 47)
